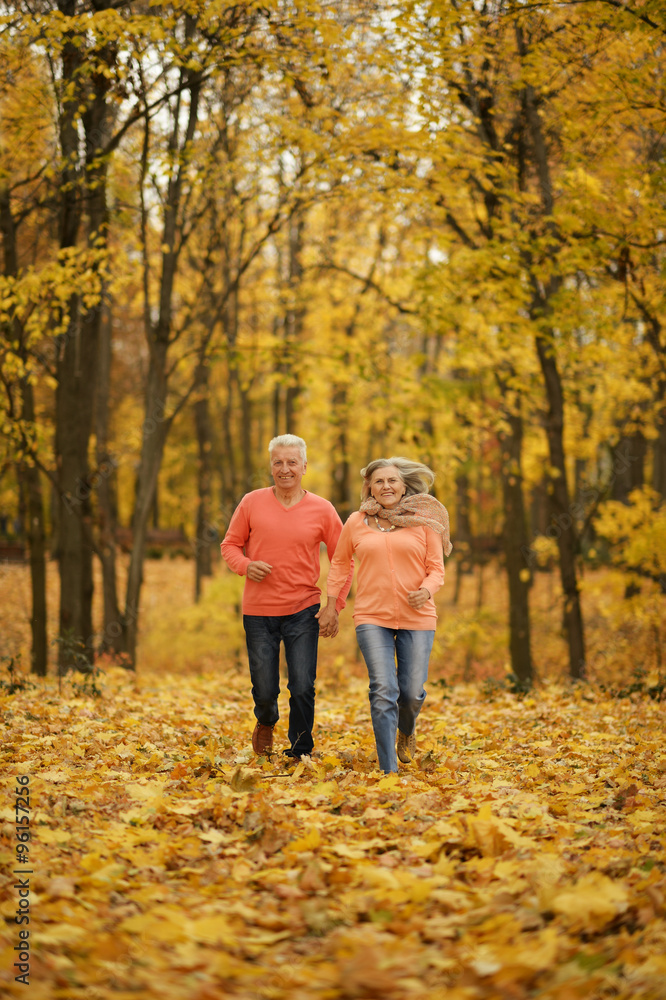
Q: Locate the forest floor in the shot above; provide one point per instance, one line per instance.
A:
(521, 854)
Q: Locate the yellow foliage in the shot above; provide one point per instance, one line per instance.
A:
(636, 530)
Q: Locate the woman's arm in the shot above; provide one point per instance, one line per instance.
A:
(434, 563)
(338, 582)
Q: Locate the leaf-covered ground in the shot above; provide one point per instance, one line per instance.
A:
(522, 855)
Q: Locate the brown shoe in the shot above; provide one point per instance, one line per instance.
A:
(406, 747)
(262, 739)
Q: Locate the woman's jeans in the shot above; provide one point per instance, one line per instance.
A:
(300, 634)
(396, 695)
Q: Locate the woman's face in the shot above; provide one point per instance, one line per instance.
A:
(386, 486)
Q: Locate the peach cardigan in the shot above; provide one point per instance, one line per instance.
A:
(390, 564)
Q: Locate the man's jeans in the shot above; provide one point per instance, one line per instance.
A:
(300, 634)
(396, 696)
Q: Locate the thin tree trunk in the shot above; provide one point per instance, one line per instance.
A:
(202, 423)
(561, 508)
(112, 636)
(228, 471)
(342, 498)
(84, 183)
(37, 543)
(463, 526)
(294, 318)
(515, 544)
(156, 423)
(74, 380)
(340, 472)
(629, 466)
(659, 457)
(561, 516)
(246, 438)
(31, 486)
(155, 429)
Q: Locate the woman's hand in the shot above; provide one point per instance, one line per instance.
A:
(417, 598)
(328, 621)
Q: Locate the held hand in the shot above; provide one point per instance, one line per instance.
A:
(417, 598)
(258, 570)
(328, 622)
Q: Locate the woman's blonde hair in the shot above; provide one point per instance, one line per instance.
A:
(418, 478)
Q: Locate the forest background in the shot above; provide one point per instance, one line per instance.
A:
(432, 229)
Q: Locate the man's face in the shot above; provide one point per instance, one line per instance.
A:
(287, 468)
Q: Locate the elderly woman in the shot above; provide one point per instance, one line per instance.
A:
(397, 538)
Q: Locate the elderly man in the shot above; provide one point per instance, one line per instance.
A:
(273, 540)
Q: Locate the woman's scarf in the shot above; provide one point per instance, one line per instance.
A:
(419, 508)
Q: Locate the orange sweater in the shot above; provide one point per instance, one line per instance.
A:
(390, 565)
(288, 538)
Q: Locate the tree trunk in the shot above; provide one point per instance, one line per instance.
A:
(562, 521)
(75, 381)
(37, 544)
(156, 423)
(515, 544)
(229, 476)
(107, 516)
(463, 523)
(561, 508)
(340, 472)
(294, 318)
(628, 466)
(246, 437)
(659, 457)
(202, 423)
(84, 183)
(31, 486)
(155, 429)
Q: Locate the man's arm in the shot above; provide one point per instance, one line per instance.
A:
(233, 547)
(233, 544)
(337, 586)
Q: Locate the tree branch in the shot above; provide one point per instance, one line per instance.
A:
(368, 282)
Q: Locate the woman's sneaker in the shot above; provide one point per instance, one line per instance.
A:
(406, 747)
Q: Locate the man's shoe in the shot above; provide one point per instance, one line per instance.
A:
(406, 747)
(262, 739)
(291, 757)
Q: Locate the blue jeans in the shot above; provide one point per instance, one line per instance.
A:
(396, 695)
(300, 634)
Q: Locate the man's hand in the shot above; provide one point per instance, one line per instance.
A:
(258, 570)
(328, 622)
(417, 598)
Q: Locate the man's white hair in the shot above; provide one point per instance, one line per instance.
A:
(288, 441)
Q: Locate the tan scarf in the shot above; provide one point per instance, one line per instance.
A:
(419, 508)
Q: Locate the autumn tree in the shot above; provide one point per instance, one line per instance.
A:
(23, 157)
